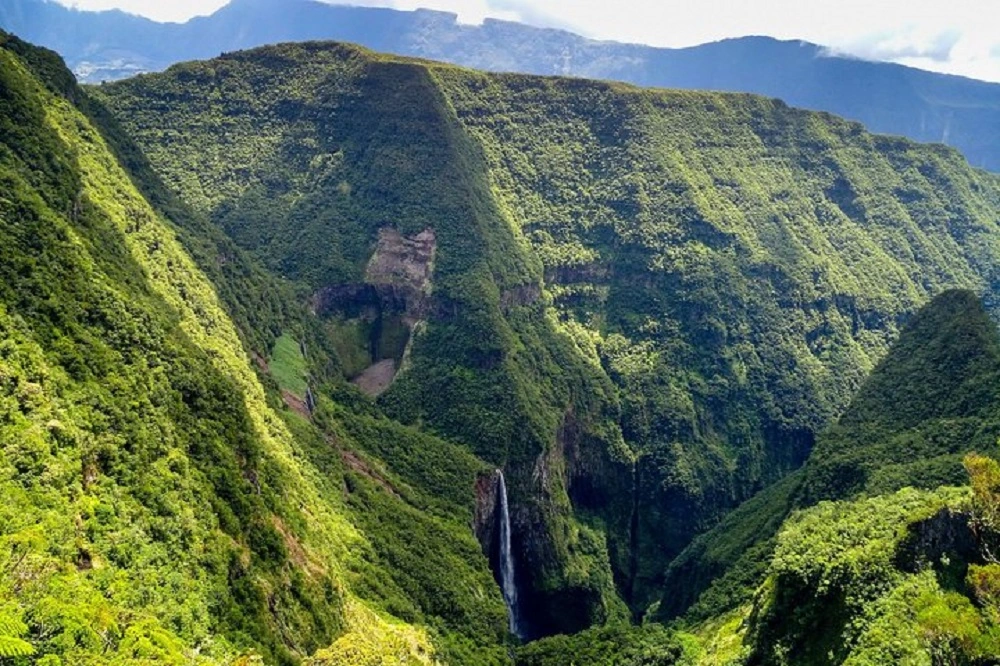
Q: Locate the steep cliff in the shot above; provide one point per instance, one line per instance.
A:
(644, 304)
(161, 504)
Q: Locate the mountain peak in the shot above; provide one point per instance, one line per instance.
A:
(933, 397)
(944, 364)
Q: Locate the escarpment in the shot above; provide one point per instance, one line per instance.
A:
(642, 305)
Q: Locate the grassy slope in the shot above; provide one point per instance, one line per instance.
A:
(734, 266)
(288, 365)
(161, 504)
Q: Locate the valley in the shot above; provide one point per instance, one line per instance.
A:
(317, 355)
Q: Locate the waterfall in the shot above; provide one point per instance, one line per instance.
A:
(507, 583)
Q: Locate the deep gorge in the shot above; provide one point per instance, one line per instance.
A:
(345, 352)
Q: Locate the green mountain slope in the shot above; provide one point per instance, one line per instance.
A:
(901, 568)
(494, 370)
(643, 303)
(930, 401)
(933, 398)
(161, 503)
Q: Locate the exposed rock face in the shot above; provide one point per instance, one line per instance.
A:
(944, 537)
(376, 378)
(349, 300)
(389, 304)
(525, 294)
(484, 521)
(404, 265)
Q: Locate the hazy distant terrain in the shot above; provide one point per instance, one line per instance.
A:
(885, 97)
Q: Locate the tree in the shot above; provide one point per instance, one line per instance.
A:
(984, 476)
(11, 630)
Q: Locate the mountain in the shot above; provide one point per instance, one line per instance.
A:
(887, 98)
(165, 499)
(929, 402)
(642, 304)
(275, 324)
(835, 565)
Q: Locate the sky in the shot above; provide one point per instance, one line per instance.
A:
(952, 36)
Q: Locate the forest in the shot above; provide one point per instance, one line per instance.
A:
(273, 324)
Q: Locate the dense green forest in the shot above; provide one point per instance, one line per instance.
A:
(272, 323)
(161, 503)
(655, 298)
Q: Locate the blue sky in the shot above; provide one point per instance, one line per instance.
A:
(954, 36)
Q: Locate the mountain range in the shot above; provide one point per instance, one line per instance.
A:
(306, 349)
(887, 98)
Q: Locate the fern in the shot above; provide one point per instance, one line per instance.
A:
(11, 628)
(11, 646)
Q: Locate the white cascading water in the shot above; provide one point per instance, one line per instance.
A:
(507, 584)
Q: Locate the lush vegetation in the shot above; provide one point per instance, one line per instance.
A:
(644, 304)
(316, 165)
(742, 266)
(288, 365)
(160, 503)
(928, 403)
(892, 579)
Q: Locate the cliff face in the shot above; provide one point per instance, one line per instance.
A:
(160, 502)
(643, 304)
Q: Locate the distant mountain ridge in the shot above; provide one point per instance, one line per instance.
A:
(887, 98)
(642, 307)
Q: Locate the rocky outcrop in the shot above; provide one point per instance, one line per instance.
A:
(525, 294)
(403, 266)
(393, 299)
(484, 520)
(376, 378)
(937, 541)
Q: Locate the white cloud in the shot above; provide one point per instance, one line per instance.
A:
(955, 36)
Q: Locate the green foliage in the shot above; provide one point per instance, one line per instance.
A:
(869, 582)
(931, 400)
(834, 578)
(156, 506)
(744, 264)
(288, 366)
(12, 630)
(318, 159)
(720, 273)
(984, 476)
(421, 503)
(722, 568)
(612, 646)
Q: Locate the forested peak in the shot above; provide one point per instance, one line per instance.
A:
(935, 396)
(47, 65)
(946, 363)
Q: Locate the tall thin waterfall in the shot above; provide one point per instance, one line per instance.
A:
(507, 583)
